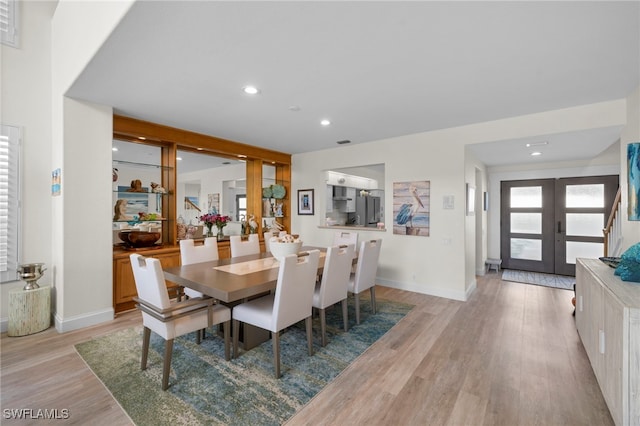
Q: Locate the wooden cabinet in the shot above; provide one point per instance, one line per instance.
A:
(608, 321)
(124, 285)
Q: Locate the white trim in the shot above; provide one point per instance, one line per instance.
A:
(462, 296)
(10, 13)
(84, 320)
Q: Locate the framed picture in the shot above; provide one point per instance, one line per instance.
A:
(305, 201)
(633, 167)
(471, 200)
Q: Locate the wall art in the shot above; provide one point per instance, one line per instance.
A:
(411, 208)
(633, 167)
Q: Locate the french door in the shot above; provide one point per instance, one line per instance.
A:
(547, 223)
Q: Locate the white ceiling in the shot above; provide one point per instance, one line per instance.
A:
(375, 69)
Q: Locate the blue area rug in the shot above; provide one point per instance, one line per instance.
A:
(206, 389)
(537, 278)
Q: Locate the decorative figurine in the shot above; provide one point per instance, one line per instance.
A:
(136, 186)
(155, 187)
(120, 211)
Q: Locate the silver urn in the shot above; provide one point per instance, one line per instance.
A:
(30, 273)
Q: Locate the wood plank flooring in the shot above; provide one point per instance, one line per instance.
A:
(509, 356)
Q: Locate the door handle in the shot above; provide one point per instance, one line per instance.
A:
(559, 226)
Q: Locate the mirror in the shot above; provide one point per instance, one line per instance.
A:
(355, 196)
(210, 184)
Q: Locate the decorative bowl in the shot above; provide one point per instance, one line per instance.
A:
(280, 250)
(139, 239)
(30, 273)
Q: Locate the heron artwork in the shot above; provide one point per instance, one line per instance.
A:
(408, 210)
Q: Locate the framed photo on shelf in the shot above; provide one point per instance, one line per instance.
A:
(305, 201)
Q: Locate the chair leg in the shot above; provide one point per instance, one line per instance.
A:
(356, 298)
(166, 369)
(308, 322)
(146, 335)
(323, 326)
(227, 338)
(345, 318)
(236, 331)
(373, 299)
(275, 337)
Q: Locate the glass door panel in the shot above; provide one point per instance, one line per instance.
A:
(585, 224)
(526, 223)
(527, 249)
(588, 250)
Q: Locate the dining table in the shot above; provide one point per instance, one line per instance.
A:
(234, 280)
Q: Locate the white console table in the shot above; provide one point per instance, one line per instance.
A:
(608, 321)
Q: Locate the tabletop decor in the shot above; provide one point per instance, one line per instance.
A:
(206, 380)
(220, 221)
(284, 245)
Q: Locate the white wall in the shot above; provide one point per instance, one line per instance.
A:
(631, 133)
(24, 103)
(442, 264)
(81, 142)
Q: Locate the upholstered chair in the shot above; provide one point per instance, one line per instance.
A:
(289, 304)
(365, 276)
(171, 319)
(333, 284)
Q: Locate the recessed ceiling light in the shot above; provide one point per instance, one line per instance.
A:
(537, 144)
(536, 153)
(200, 149)
(294, 108)
(178, 158)
(242, 156)
(142, 138)
(114, 148)
(343, 142)
(325, 122)
(250, 90)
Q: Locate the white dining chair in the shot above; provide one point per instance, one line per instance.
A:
(333, 285)
(171, 319)
(365, 276)
(345, 238)
(244, 248)
(289, 304)
(190, 253)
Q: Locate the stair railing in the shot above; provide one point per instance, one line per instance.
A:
(613, 230)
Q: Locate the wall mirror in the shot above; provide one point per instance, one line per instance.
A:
(355, 196)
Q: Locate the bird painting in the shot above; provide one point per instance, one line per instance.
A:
(408, 210)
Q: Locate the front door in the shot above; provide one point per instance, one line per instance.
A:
(547, 223)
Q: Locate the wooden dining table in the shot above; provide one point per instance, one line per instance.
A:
(234, 280)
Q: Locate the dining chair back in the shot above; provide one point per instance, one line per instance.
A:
(244, 248)
(290, 303)
(334, 283)
(190, 253)
(365, 276)
(344, 238)
(170, 319)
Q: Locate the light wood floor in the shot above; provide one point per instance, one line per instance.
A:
(509, 356)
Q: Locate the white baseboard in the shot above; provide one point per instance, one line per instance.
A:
(430, 290)
(84, 320)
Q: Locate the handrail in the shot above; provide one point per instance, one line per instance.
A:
(608, 228)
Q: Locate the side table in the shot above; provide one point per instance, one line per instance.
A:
(29, 311)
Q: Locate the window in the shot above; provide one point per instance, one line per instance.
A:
(9, 22)
(241, 207)
(9, 201)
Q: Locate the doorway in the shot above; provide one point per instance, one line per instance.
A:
(547, 223)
